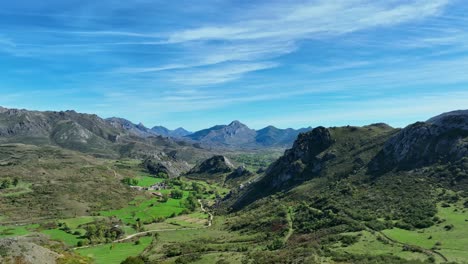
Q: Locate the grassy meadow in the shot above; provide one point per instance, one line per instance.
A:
(115, 253)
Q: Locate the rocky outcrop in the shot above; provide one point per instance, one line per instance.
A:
(165, 164)
(22, 250)
(303, 155)
(441, 138)
(214, 165)
(241, 171)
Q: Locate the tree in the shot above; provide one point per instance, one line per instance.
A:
(191, 203)
(198, 188)
(15, 182)
(177, 194)
(130, 181)
(133, 260)
(5, 184)
(162, 175)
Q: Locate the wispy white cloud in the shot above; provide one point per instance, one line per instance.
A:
(260, 39)
(130, 70)
(6, 42)
(276, 34)
(309, 19)
(221, 74)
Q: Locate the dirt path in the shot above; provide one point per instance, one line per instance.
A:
(290, 224)
(210, 221)
(115, 173)
(210, 218)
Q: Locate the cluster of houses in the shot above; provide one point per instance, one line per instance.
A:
(155, 187)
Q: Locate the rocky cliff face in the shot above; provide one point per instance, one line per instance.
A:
(441, 138)
(301, 157)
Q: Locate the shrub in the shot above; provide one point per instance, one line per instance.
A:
(133, 260)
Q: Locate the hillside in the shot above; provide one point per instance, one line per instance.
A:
(56, 183)
(341, 183)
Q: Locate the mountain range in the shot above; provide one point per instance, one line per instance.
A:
(77, 130)
(239, 135)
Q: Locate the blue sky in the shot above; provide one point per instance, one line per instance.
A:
(199, 63)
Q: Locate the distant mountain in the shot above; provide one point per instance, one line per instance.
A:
(68, 129)
(272, 136)
(88, 133)
(176, 133)
(235, 134)
(239, 135)
(92, 134)
(138, 130)
(141, 131)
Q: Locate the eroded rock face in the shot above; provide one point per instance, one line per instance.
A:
(302, 156)
(442, 138)
(167, 164)
(213, 165)
(21, 250)
(241, 171)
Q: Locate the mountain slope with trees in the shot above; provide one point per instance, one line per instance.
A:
(340, 181)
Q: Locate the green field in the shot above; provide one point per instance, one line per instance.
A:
(73, 223)
(12, 230)
(146, 181)
(60, 235)
(147, 210)
(369, 244)
(453, 243)
(114, 253)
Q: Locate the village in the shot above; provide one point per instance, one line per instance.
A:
(155, 187)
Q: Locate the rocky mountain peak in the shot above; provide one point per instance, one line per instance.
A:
(312, 143)
(236, 123)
